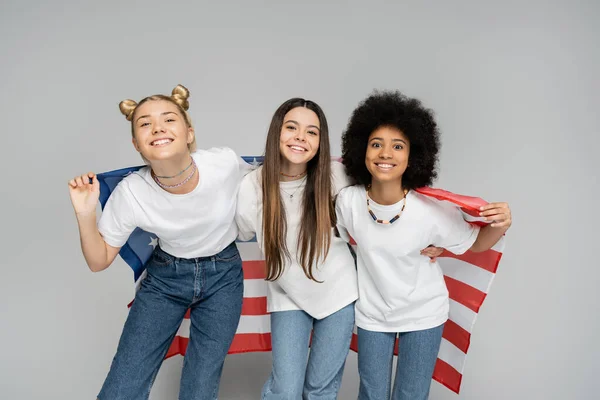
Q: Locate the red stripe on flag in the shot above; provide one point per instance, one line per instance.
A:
(466, 295)
(242, 343)
(487, 260)
(254, 269)
(248, 342)
(178, 347)
(445, 374)
(254, 306)
(456, 335)
(469, 204)
(354, 343)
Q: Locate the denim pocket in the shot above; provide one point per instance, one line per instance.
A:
(230, 253)
(159, 260)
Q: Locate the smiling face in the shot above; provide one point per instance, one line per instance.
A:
(387, 154)
(160, 131)
(300, 136)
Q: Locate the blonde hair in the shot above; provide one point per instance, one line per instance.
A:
(179, 97)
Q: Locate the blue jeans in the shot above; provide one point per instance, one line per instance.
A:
(417, 354)
(212, 288)
(292, 377)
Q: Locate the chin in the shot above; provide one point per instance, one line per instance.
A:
(384, 178)
(297, 158)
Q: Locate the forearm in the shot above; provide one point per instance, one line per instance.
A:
(93, 246)
(488, 237)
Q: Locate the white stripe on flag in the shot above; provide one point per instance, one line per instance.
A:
(250, 251)
(462, 316)
(255, 288)
(248, 324)
(499, 246)
(254, 324)
(470, 218)
(452, 355)
(472, 275)
(184, 328)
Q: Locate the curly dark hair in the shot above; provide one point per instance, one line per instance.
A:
(393, 109)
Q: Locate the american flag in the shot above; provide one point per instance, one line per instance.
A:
(468, 279)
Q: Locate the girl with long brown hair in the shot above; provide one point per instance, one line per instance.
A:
(288, 204)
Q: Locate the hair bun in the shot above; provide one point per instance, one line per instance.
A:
(127, 108)
(180, 95)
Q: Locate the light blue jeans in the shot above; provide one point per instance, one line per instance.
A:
(298, 375)
(417, 354)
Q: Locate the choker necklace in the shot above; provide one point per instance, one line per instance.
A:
(181, 172)
(293, 176)
(380, 221)
(162, 185)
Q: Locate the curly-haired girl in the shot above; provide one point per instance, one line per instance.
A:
(390, 148)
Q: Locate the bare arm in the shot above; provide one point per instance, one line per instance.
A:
(488, 236)
(84, 196)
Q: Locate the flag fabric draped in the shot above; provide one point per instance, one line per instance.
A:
(468, 279)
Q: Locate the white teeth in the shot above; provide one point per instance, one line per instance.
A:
(385, 165)
(297, 148)
(161, 141)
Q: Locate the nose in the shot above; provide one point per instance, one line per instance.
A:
(300, 135)
(158, 128)
(384, 153)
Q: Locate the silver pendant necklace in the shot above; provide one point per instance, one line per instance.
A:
(291, 195)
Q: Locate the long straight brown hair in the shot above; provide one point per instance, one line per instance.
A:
(318, 213)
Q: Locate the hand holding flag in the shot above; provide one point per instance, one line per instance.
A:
(84, 191)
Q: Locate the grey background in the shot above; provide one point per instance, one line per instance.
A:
(515, 89)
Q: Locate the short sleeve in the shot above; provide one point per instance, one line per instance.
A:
(339, 179)
(246, 213)
(454, 233)
(343, 213)
(117, 220)
(244, 168)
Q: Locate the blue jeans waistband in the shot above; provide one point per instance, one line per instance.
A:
(194, 259)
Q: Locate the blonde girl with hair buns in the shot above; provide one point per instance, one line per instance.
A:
(187, 198)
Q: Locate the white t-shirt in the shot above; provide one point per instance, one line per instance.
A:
(293, 290)
(400, 290)
(196, 224)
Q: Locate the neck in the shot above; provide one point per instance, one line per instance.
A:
(292, 171)
(171, 168)
(386, 193)
(169, 173)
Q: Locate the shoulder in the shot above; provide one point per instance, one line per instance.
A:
(350, 194)
(337, 168)
(251, 182)
(134, 181)
(216, 153)
(339, 179)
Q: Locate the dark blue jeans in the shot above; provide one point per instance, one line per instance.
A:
(212, 288)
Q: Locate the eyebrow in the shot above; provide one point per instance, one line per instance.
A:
(148, 116)
(393, 140)
(309, 126)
